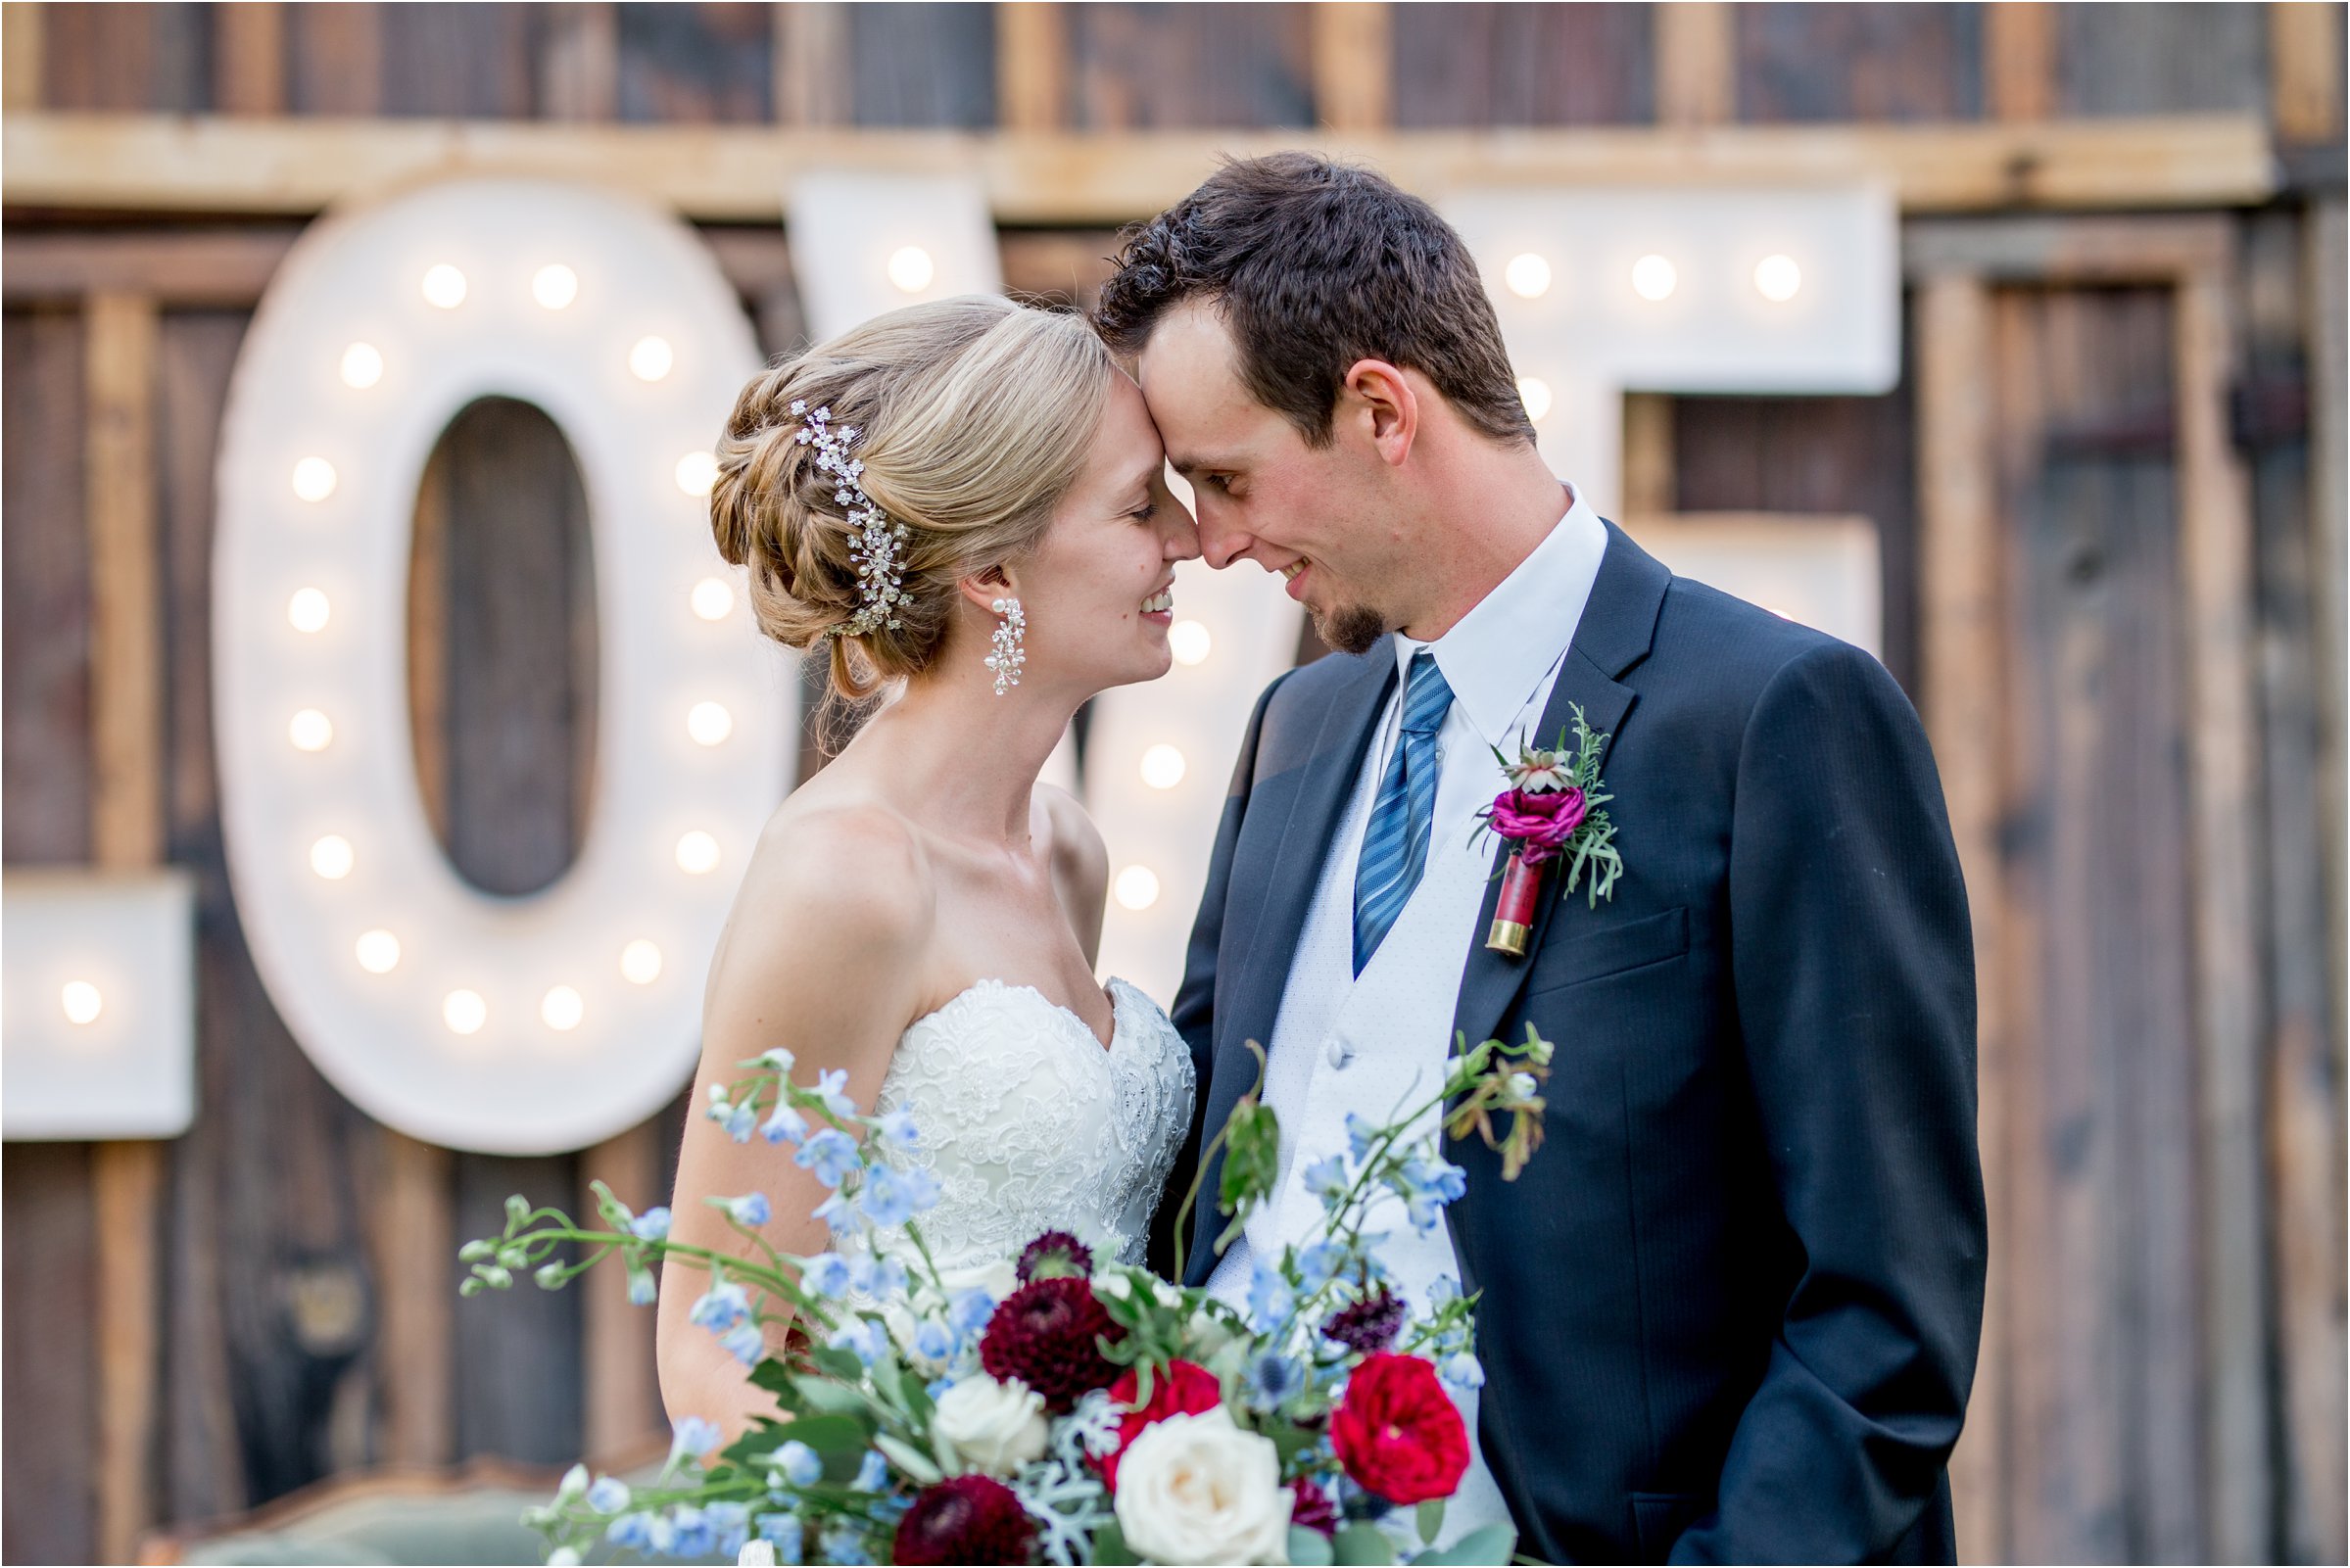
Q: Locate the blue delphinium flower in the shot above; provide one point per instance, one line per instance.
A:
(720, 1307)
(784, 1532)
(840, 1215)
(650, 1225)
(749, 1209)
(1360, 1135)
(633, 1531)
(831, 1153)
(897, 1132)
(695, 1438)
(892, 1197)
(746, 1342)
(642, 1289)
(872, 1472)
(862, 1338)
(609, 1494)
(1427, 1183)
(1320, 1261)
(1463, 1370)
(969, 1310)
(731, 1522)
(869, 1275)
(775, 1059)
(1270, 1298)
(737, 1119)
(1326, 1178)
(833, 1086)
(784, 1124)
(799, 1463)
(827, 1274)
(1442, 1289)
(694, 1536)
(843, 1546)
(933, 1341)
(1269, 1379)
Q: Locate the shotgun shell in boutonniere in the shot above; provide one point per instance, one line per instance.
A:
(1551, 811)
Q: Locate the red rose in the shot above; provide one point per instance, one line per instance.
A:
(1398, 1432)
(1183, 1389)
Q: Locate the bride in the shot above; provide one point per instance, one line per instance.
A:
(964, 500)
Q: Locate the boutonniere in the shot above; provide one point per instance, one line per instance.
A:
(1551, 811)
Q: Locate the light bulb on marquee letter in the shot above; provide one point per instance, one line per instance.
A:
(1138, 887)
(331, 856)
(82, 1002)
(308, 610)
(651, 358)
(641, 963)
(445, 286)
(378, 952)
(311, 731)
(697, 853)
(1528, 276)
(1190, 641)
(911, 269)
(713, 600)
(555, 286)
(696, 472)
(313, 479)
(464, 1012)
(562, 1009)
(1535, 393)
(362, 366)
(1777, 278)
(709, 723)
(1654, 277)
(1162, 767)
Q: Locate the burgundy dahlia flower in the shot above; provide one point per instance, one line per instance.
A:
(1059, 1248)
(1369, 1325)
(1047, 1334)
(964, 1519)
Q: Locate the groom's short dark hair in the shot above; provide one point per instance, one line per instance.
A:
(1315, 265)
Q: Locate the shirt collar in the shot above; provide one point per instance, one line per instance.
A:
(1496, 656)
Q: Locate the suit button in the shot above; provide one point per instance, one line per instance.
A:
(1337, 1052)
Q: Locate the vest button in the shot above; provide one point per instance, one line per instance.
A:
(1337, 1052)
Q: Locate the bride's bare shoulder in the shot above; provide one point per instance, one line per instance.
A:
(1081, 860)
(835, 880)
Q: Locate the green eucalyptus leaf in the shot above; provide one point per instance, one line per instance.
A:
(1361, 1546)
(1109, 1548)
(918, 1466)
(1494, 1543)
(1430, 1520)
(838, 1363)
(1307, 1549)
(779, 1380)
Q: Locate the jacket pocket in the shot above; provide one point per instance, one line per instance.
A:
(1604, 949)
(1659, 1517)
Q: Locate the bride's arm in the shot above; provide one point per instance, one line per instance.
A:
(821, 955)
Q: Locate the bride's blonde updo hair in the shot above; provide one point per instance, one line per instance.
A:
(972, 417)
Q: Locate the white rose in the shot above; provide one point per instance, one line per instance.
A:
(1196, 1488)
(997, 1427)
(757, 1554)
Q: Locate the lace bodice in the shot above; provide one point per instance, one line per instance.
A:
(1030, 1126)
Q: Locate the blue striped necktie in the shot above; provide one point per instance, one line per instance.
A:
(1395, 848)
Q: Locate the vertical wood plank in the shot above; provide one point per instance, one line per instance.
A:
(1353, 65)
(49, 1275)
(126, 1191)
(125, 833)
(125, 653)
(44, 634)
(2328, 329)
(579, 62)
(249, 57)
(2305, 71)
(2216, 561)
(1961, 665)
(623, 1390)
(2019, 60)
(1697, 66)
(1032, 65)
(1649, 475)
(811, 63)
(335, 59)
(20, 50)
(416, 1275)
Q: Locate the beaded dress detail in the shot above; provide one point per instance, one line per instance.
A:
(1030, 1126)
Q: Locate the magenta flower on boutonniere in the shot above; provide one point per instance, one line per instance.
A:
(1551, 811)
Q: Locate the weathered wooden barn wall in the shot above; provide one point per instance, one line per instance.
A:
(307, 1324)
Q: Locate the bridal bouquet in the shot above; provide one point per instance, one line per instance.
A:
(1057, 1407)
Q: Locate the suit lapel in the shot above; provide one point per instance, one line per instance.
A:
(1300, 849)
(1614, 634)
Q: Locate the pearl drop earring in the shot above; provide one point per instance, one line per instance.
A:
(1008, 655)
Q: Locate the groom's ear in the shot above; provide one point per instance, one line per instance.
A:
(1380, 401)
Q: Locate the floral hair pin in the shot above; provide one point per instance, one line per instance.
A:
(880, 568)
(1551, 811)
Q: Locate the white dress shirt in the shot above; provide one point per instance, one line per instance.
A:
(1375, 1043)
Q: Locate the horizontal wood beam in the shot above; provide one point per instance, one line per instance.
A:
(170, 164)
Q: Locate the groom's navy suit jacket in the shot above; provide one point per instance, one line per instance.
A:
(1729, 1310)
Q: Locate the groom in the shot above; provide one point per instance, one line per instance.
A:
(1729, 1310)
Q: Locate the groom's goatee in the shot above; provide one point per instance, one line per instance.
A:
(1349, 628)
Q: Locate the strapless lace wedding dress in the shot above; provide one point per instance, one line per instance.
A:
(1030, 1124)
